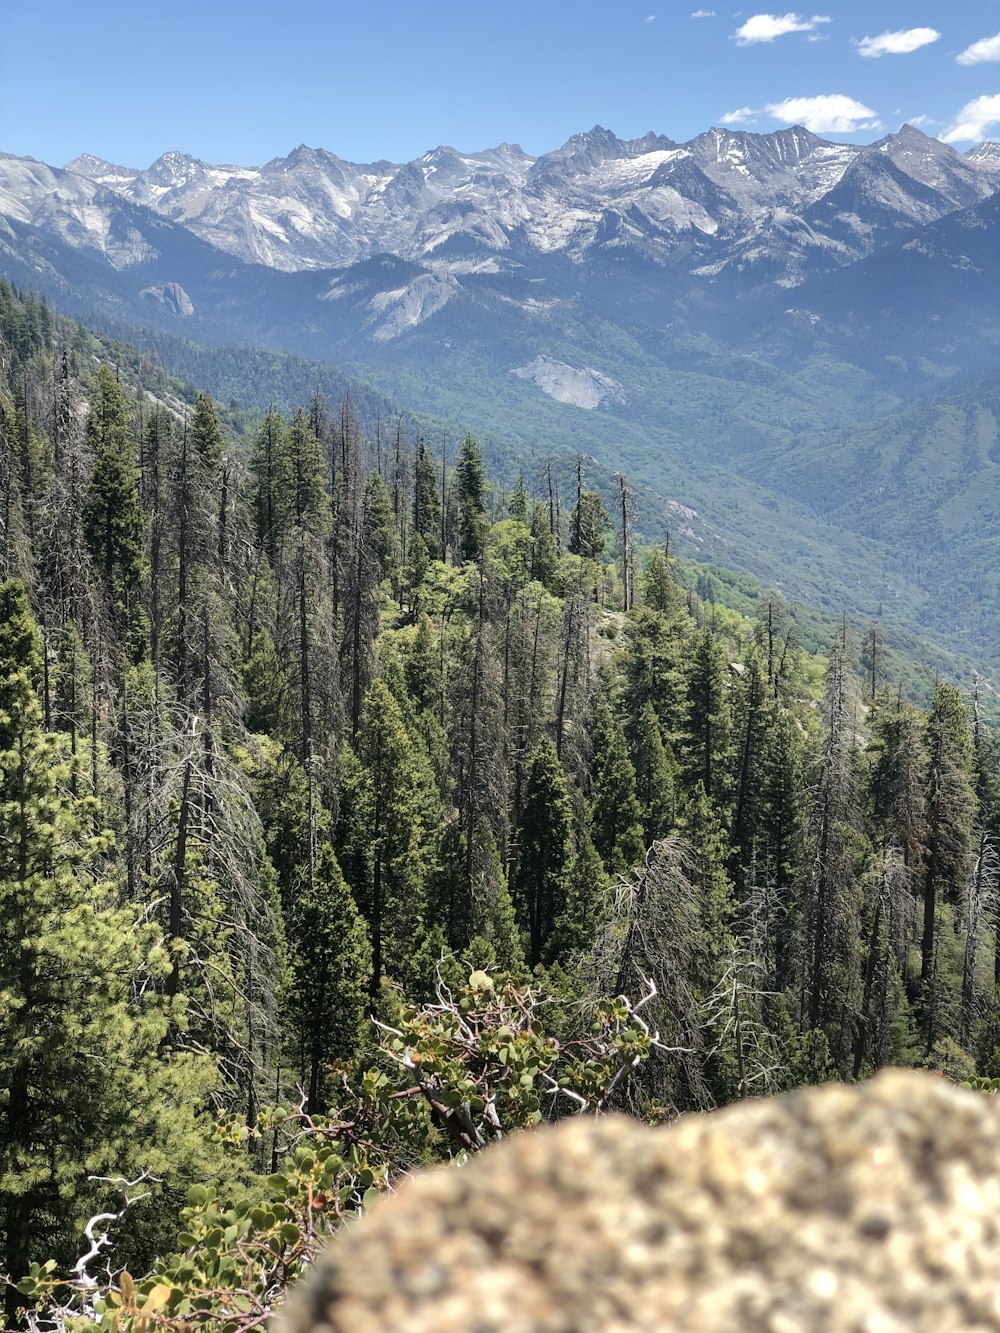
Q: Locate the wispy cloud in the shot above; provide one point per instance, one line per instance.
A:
(766, 27)
(738, 117)
(650, 18)
(703, 14)
(981, 52)
(829, 113)
(974, 121)
(897, 43)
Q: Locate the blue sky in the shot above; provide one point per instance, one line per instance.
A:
(243, 82)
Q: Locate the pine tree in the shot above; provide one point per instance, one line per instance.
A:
(781, 856)
(656, 773)
(470, 485)
(544, 560)
(588, 525)
(426, 502)
(113, 521)
(266, 465)
(417, 566)
(897, 782)
(301, 479)
(653, 670)
(751, 724)
(831, 912)
(361, 620)
(79, 1057)
(383, 835)
(495, 938)
(330, 975)
(206, 433)
(707, 714)
(585, 906)
(951, 804)
(545, 848)
(517, 506)
(380, 526)
(711, 884)
(659, 590)
(615, 813)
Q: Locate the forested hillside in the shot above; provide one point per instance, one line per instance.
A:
(355, 810)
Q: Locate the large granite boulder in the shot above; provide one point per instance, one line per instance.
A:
(874, 1208)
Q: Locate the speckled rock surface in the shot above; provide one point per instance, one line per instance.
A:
(872, 1208)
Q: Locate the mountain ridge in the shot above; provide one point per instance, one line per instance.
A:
(313, 209)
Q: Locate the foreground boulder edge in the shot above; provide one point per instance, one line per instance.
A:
(875, 1207)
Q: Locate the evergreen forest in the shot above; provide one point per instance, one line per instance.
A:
(357, 810)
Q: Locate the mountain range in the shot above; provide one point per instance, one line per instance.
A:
(736, 320)
(789, 201)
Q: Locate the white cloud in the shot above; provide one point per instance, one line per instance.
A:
(979, 53)
(765, 27)
(974, 120)
(703, 14)
(897, 43)
(651, 18)
(830, 113)
(738, 117)
(921, 121)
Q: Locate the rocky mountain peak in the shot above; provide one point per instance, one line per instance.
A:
(985, 154)
(172, 168)
(100, 170)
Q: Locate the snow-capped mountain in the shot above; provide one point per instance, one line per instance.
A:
(785, 202)
(83, 213)
(515, 256)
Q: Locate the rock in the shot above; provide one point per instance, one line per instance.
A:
(873, 1208)
(585, 388)
(173, 296)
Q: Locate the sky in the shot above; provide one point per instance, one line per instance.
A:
(244, 82)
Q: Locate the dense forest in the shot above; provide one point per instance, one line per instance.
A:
(355, 810)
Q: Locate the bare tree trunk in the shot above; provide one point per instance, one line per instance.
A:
(179, 881)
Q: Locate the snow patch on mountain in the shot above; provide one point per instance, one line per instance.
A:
(586, 388)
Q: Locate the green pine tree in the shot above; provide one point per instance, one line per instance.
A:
(711, 884)
(113, 521)
(427, 502)
(656, 774)
(470, 485)
(544, 836)
(330, 975)
(384, 834)
(615, 812)
(544, 560)
(585, 903)
(87, 1089)
(206, 433)
(659, 589)
(707, 728)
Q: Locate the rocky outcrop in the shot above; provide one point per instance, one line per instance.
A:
(842, 1208)
(172, 296)
(585, 388)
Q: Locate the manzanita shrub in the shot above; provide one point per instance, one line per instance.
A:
(444, 1080)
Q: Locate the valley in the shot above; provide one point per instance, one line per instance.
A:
(724, 319)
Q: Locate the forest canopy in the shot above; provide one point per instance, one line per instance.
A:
(356, 810)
